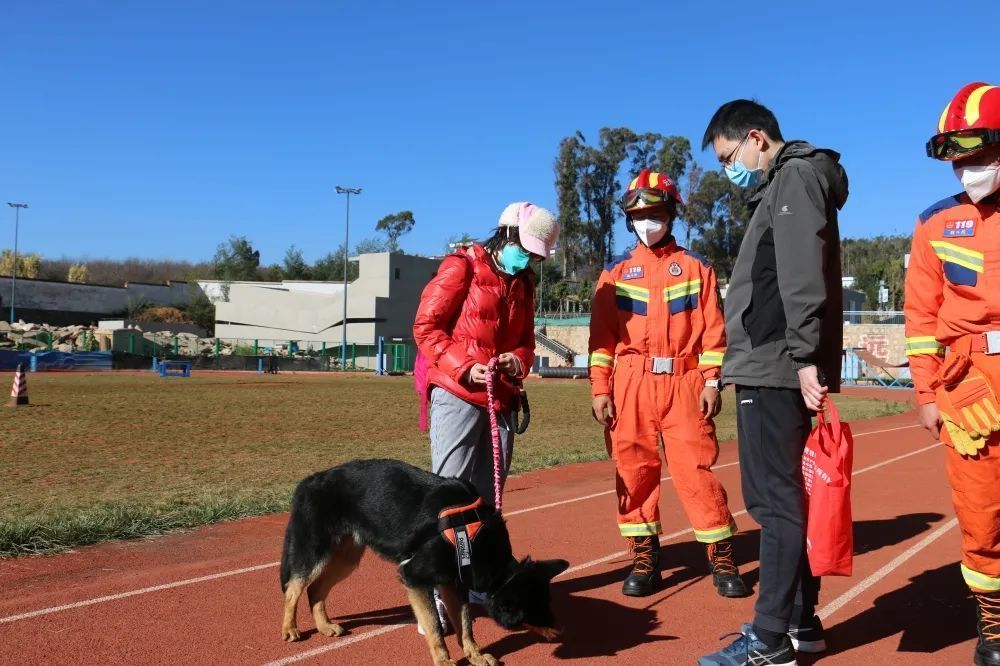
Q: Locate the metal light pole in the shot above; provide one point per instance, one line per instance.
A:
(541, 283)
(347, 225)
(13, 274)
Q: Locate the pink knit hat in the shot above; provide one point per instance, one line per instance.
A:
(537, 228)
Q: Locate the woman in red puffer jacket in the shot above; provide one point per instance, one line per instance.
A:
(478, 306)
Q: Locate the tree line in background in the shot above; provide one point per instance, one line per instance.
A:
(589, 181)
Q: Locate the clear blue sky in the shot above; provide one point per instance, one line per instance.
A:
(157, 130)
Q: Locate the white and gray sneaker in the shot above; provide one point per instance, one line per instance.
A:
(442, 616)
(809, 637)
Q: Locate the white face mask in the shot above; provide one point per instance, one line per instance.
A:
(650, 232)
(979, 181)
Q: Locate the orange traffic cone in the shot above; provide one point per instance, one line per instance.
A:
(19, 392)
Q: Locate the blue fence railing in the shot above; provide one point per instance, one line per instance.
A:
(55, 361)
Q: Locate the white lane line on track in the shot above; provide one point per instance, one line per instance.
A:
(236, 572)
(587, 497)
(833, 606)
(341, 643)
(667, 478)
(846, 597)
(132, 593)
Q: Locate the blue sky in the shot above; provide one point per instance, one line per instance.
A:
(158, 130)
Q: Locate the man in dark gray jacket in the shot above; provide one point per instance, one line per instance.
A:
(784, 329)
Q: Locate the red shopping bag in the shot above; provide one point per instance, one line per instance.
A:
(826, 472)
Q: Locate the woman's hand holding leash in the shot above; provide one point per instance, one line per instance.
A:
(509, 363)
(477, 374)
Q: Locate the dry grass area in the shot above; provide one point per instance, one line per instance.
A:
(99, 457)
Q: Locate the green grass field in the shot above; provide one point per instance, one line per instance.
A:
(114, 456)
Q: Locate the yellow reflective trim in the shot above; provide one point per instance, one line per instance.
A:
(979, 581)
(637, 293)
(972, 105)
(682, 289)
(958, 255)
(924, 344)
(711, 536)
(925, 352)
(599, 359)
(639, 529)
(710, 358)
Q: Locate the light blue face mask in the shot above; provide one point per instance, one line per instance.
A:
(740, 174)
(513, 259)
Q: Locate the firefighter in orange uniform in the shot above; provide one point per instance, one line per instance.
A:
(657, 338)
(952, 302)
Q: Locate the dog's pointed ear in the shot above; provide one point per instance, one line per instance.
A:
(552, 568)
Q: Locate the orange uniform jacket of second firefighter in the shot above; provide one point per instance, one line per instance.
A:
(662, 302)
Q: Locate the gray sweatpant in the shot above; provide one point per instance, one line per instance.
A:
(461, 445)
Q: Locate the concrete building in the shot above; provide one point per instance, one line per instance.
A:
(382, 301)
(66, 303)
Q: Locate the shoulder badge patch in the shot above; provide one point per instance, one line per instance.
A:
(632, 273)
(959, 228)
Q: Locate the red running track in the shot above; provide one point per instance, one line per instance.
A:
(211, 596)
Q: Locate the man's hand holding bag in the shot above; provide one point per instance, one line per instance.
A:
(826, 472)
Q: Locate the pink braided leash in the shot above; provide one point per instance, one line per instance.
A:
(494, 433)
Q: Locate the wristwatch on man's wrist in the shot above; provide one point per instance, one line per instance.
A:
(713, 383)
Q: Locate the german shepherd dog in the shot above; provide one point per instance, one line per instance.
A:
(438, 531)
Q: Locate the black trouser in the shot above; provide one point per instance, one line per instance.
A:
(773, 427)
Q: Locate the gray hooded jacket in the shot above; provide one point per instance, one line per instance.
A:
(785, 300)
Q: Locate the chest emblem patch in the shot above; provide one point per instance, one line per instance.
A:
(632, 273)
(675, 269)
(959, 228)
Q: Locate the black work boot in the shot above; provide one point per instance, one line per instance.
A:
(725, 573)
(988, 627)
(644, 578)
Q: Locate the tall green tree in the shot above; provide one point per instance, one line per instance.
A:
(394, 226)
(567, 168)
(720, 211)
(236, 260)
(295, 266)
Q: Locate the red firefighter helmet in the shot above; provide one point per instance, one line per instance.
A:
(969, 123)
(650, 189)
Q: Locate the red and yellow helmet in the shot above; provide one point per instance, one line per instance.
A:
(649, 189)
(969, 123)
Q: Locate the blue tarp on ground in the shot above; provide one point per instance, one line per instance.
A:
(53, 360)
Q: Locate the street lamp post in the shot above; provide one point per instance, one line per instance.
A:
(13, 272)
(347, 225)
(541, 284)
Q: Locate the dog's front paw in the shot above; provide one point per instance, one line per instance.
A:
(444, 662)
(483, 659)
(332, 630)
(290, 634)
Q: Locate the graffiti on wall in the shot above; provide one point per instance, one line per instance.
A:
(877, 344)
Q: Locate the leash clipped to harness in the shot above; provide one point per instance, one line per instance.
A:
(494, 434)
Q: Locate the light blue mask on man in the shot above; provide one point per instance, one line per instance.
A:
(740, 174)
(513, 259)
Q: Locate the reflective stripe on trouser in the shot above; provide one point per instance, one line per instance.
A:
(647, 405)
(975, 492)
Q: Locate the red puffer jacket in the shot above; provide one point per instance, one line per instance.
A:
(470, 313)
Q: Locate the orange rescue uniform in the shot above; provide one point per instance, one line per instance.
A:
(657, 310)
(952, 300)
